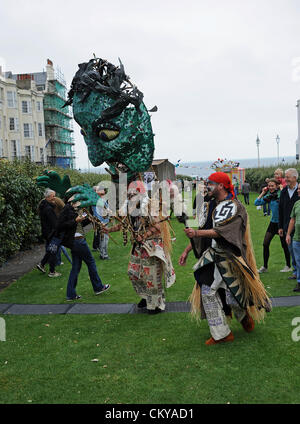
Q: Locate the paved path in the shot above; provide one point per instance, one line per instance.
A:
(23, 262)
(20, 263)
(112, 308)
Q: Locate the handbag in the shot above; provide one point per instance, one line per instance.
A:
(54, 245)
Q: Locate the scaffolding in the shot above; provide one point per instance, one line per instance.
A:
(54, 102)
(59, 134)
(55, 118)
(58, 125)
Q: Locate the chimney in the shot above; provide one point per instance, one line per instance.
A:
(50, 70)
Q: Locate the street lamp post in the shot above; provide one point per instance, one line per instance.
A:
(258, 143)
(277, 141)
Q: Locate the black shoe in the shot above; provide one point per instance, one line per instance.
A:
(297, 288)
(292, 277)
(154, 311)
(105, 288)
(74, 298)
(142, 303)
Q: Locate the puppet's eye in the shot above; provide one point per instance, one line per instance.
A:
(108, 135)
(83, 132)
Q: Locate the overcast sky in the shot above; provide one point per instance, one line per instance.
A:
(219, 70)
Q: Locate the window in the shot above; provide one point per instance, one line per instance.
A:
(11, 99)
(42, 155)
(40, 129)
(26, 106)
(13, 124)
(28, 152)
(1, 148)
(13, 148)
(38, 106)
(1, 96)
(28, 133)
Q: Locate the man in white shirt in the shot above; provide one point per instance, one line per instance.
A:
(287, 199)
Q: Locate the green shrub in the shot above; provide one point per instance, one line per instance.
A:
(256, 176)
(184, 177)
(19, 199)
(19, 223)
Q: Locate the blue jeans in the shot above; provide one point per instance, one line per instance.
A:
(296, 250)
(81, 252)
(58, 255)
(266, 208)
(104, 245)
(65, 252)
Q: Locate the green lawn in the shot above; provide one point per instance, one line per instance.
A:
(141, 358)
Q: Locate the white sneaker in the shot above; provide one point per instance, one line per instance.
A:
(286, 269)
(54, 274)
(41, 268)
(262, 269)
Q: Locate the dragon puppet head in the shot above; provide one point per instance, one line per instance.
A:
(114, 121)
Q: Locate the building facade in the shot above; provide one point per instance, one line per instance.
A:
(22, 130)
(34, 123)
(58, 120)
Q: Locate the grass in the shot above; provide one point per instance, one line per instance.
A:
(161, 359)
(38, 288)
(141, 358)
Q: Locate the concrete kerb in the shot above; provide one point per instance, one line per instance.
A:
(113, 308)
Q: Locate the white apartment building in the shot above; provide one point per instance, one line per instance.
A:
(22, 130)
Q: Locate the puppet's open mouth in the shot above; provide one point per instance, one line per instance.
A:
(120, 167)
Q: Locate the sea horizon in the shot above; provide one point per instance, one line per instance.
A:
(203, 168)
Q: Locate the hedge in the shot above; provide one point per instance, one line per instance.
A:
(256, 176)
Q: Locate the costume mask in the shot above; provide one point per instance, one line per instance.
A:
(113, 119)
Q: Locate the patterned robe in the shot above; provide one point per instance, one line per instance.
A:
(148, 266)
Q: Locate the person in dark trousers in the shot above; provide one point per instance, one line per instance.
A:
(271, 194)
(246, 191)
(70, 229)
(48, 218)
(294, 225)
(288, 197)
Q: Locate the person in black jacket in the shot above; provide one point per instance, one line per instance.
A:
(287, 199)
(70, 229)
(48, 218)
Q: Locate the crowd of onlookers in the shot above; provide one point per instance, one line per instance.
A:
(63, 226)
(280, 197)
